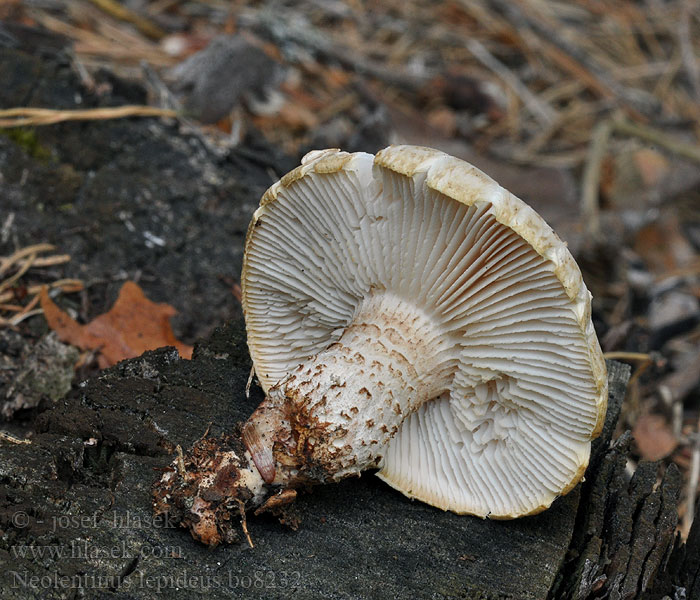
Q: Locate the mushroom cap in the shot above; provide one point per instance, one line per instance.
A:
(529, 389)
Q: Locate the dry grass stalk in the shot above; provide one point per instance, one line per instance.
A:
(21, 261)
(122, 13)
(551, 56)
(591, 177)
(8, 437)
(26, 117)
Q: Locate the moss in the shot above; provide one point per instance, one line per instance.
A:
(27, 139)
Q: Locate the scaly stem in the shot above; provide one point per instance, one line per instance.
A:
(331, 418)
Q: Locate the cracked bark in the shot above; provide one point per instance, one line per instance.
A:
(625, 528)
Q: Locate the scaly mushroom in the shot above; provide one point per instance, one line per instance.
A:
(406, 313)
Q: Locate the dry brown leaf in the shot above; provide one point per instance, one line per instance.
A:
(297, 117)
(663, 246)
(444, 120)
(132, 326)
(628, 177)
(652, 166)
(654, 437)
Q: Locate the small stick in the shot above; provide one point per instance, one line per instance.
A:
(22, 116)
(165, 98)
(7, 227)
(690, 151)
(17, 319)
(244, 522)
(6, 323)
(591, 176)
(12, 307)
(641, 356)
(6, 263)
(543, 112)
(12, 439)
(85, 78)
(49, 261)
(22, 270)
(250, 382)
(180, 462)
(206, 433)
(25, 309)
(66, 285)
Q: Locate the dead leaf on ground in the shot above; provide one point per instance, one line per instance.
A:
(654, 437)
(663, 246)
(444, 120)
(629, 176)
(132, 326)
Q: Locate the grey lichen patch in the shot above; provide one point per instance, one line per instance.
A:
(43, 371)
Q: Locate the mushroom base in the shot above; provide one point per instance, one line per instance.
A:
(204, 490)
(332, 418)
(335, 414)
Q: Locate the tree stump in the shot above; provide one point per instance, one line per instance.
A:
(75, 502)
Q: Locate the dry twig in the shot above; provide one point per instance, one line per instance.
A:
(12, 439)
(539, 109)
(591, 177)
(633, 356)
(21, 261)
(23, 117)
(7, 262)
(685, 42)
(690, 151)
(244, 522)
(121, 12)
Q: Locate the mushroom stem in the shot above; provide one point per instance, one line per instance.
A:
(334, 415)
(330, 419)
(405, 312)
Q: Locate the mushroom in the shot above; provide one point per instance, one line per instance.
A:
(406, 313)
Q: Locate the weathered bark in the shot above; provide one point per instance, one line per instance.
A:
(98, 452)
(624, 530)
